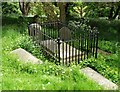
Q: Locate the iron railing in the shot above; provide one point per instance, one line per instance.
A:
(64, 44)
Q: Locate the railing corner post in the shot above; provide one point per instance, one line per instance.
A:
(58, 41)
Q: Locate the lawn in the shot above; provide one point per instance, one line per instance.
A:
(19, 76)
(49, 76)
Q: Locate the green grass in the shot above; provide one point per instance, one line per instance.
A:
(19, 76)
(39, 77)
(49, 75)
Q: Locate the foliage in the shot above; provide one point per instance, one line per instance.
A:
(106, 23)
(77, 9)
(80, 25)
(108, 30)
(10, 8)
(17, 40)
(108, 46)
(51, 11)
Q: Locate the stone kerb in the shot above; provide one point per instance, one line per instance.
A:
(25, 56)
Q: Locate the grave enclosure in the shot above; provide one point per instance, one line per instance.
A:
(64, 44)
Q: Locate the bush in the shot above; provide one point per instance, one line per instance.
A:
(14, 40)
(109, 46)
(108, 29)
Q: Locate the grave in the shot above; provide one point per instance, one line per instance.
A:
(105, 83)
(25, 56)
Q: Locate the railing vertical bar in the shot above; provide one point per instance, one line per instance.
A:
(28, 29)
(69, 51)
(79, 52)
(66, 52)
(58, 41)
(33, 32)
(87, 43)
(63, 53)
(73, 51)
(55, 52)
(59, 50)
(96, 44)
(39, 35)
(91, 41)
(81, 48)
(36, 33)
(93, 44)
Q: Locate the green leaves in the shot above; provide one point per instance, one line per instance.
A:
(109, 46)
(9, 8)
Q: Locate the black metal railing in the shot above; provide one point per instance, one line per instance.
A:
(64, 44)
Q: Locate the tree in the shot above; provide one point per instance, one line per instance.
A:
(114, 10)
(50, 10)
(80, 9)
(24, 7)
(62, 8)
(103, 9)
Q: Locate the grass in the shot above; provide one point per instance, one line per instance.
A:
(19, 76)
(44, 77)
(50, 76)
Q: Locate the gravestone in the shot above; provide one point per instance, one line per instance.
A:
(34, 28)
(25, 56)
(35, 32)
(65, 33)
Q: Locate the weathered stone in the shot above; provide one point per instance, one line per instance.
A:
(65, 33)
(107, 84)
(25, 56)
(66, 51)
(34, 29)
(35, 32)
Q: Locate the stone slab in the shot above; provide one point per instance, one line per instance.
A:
(107, 84)
(66, 51)
(25, 56)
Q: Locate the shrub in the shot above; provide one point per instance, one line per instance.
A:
(109, 46)
(106, 28)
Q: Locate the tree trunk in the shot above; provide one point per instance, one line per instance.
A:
(117, 12)
(62, 6)
(111, 13)
(24, 7)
